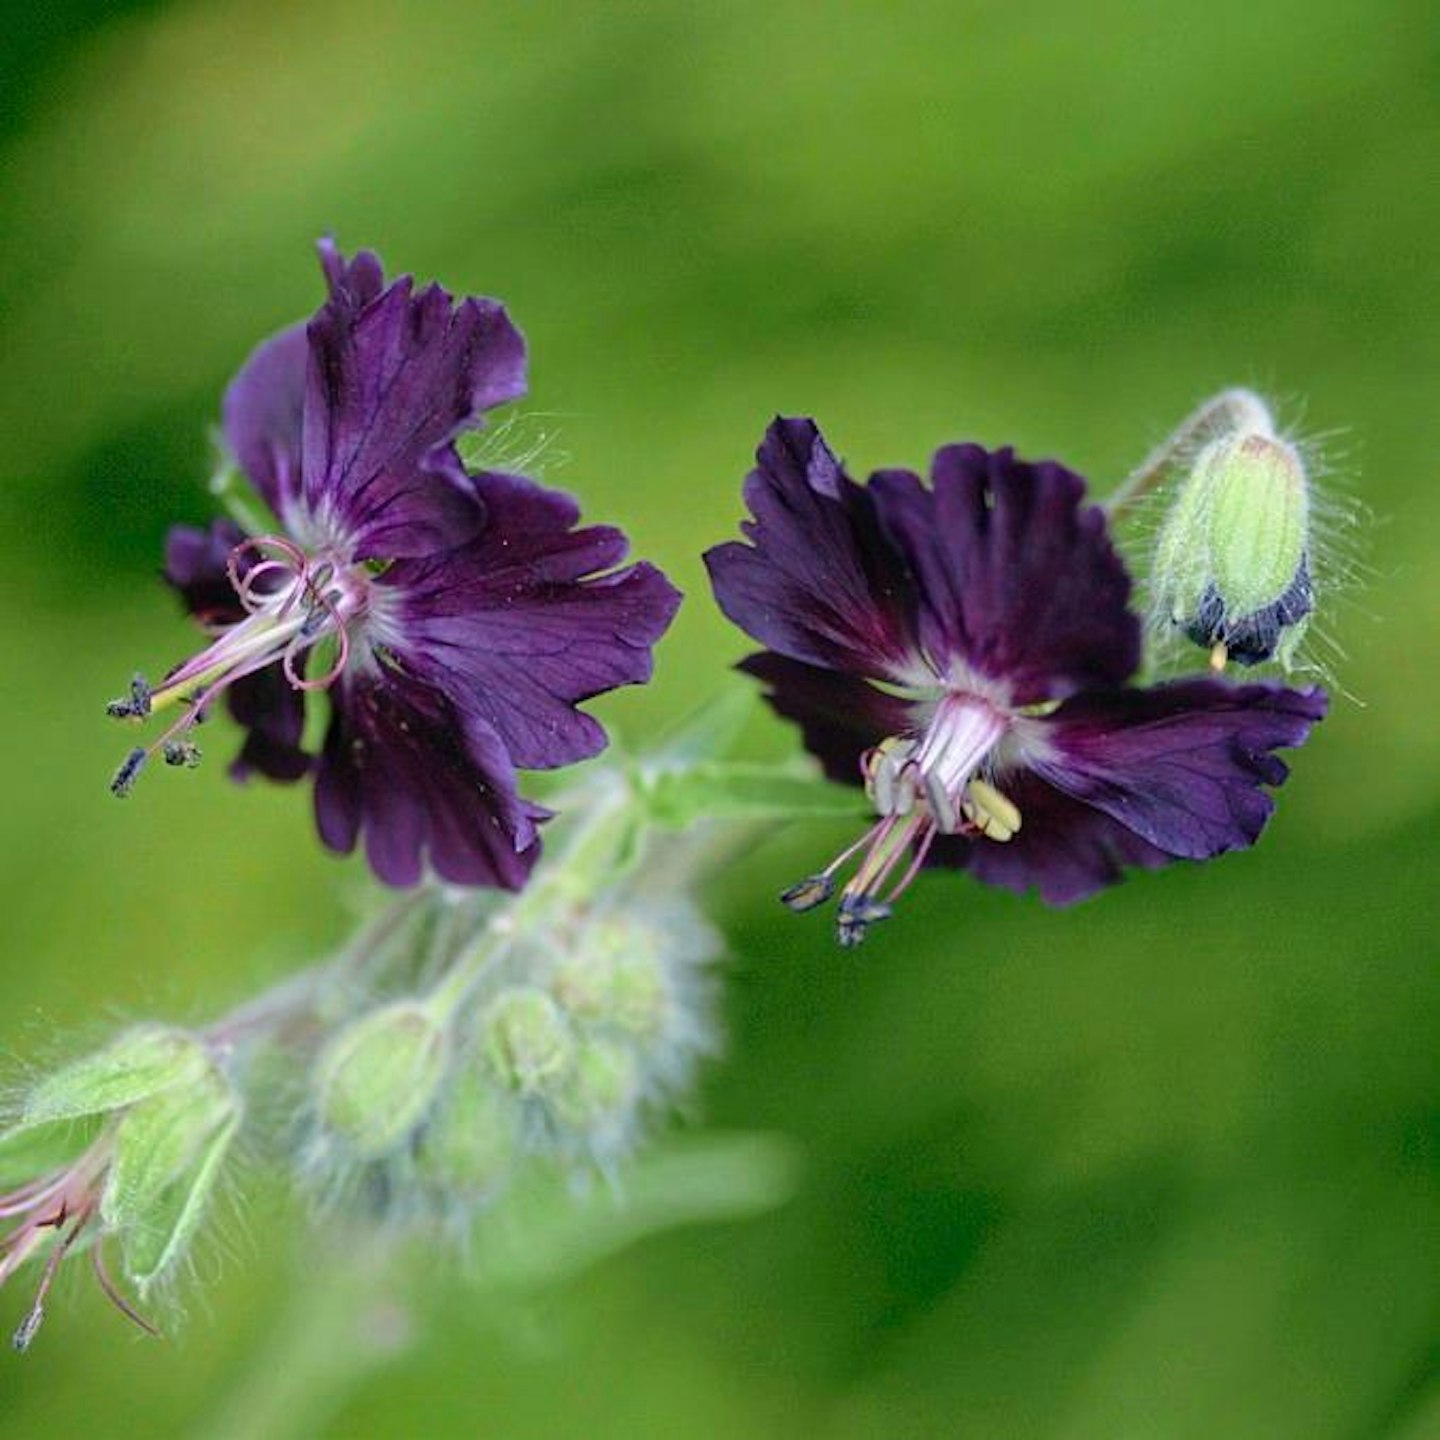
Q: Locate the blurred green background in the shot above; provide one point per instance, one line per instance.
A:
(1164, 1165)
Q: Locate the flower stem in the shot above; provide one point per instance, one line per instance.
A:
(1233, 409)
(594, 858)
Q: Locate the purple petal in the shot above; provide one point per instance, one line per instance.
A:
(840, 716)
(1016, 576)
(1065, 850)
(273, 713)
(262, 415)
(820, 580)
(393, 377)
(195, 564)
(421, 782)
(516, 628)
(1182, 765)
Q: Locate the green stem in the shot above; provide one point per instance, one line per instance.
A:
(345, 1322)
(571, 879)
(1230, 410)
(298, 999)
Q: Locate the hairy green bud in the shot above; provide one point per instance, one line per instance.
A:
(1232, 560)
(142, 1062)
(469, 1146)
(527, 1040)
(602, 1088)
(616, 976)
(377, 1078)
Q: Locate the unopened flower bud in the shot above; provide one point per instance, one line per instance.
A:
(1232, 561)
(527, 1040)
(139, 1063)
(378, 1077)
(469, 1147)
(616, 976)
(602, 1087)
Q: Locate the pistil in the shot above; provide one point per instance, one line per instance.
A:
(293, 603)
(922, 785)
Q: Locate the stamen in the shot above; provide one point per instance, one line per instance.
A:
(806, 894)
(136, 706)
(927, 839)
(26, 1331)
(292, 604)
(991, 813)
(128, 773)
(1219, 655)
(857, 914)
(861, 906)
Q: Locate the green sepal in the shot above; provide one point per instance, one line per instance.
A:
(154, 1242)
(137, 1064)
(156, 1142)
(527, 1040)
(615, 975)
(602, 1086)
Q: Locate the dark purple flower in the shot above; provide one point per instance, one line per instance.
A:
(962, 650)
(456, 619)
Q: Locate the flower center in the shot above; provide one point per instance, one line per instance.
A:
(922, 785)
(292, 602)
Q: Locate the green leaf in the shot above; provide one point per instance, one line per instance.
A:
(709, 733)
(141, 1062)
(740, 791)
(553, 1235)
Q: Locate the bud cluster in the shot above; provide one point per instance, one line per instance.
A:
(580, 1028)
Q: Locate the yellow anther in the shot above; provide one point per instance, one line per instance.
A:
(1218, 656)
(995, 817)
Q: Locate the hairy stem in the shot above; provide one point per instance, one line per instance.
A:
(1233, 409)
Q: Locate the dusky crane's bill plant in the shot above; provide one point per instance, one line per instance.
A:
(964, 650)
(962, 656)
(456, 619)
